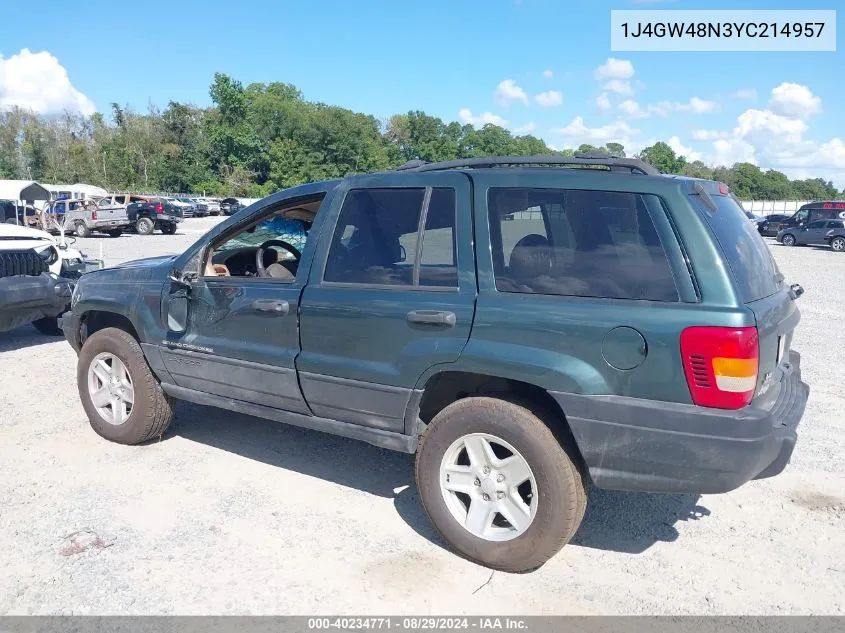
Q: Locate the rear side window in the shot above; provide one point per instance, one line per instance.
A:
(750, 261)
(578, 243)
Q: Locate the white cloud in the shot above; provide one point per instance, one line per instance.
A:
(774, 141)
(38, 81)
(699, 106)
(549, 98)
(548, 74)
(466, 116)
(618, 131)
(508, 91)
(709, 135)
(794, 100)
(663, 108)
(614, 69)
(618, 85)
(745, 93)
(632, 109)
(603, 103)
(525, 129)
(615, 75)
(682, 150)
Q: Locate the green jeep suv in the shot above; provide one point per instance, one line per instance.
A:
(524, 325)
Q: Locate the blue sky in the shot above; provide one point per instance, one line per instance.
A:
(470, 60)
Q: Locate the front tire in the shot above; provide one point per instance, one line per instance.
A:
(121, 396)
(838, 244)
(498, 485)
(788, 240)
(115, 232)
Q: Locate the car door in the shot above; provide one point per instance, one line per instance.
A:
(813, 233)
(241, 336)
(392, 292)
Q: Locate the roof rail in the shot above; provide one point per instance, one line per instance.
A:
(579, 160)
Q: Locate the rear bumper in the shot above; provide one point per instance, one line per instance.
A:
(650, 446)
(109, 224)
(26, 299)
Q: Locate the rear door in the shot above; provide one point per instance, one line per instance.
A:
(391, 293)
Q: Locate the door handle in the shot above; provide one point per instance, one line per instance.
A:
(277, 308)
(431, 317)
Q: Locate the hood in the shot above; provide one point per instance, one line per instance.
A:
(147, 262)
(17, 231)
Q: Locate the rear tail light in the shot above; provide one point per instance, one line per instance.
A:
(94, 215)
(159, 208)
(720, 364)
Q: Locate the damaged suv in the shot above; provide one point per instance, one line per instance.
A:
(37, 273)
(521, 324)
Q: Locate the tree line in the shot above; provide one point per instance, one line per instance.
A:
(261, 138)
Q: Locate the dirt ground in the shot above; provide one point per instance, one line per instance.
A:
(231, 514)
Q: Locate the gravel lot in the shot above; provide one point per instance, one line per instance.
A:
(230, 514)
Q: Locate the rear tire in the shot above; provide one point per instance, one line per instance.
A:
(169, 229)
(49, 326)
(554, 496)
(838, 244)
(151, 410)
(144, 226)
(788, 240)
(82, 230)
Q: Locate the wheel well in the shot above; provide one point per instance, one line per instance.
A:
(444, 388)
(97, 320)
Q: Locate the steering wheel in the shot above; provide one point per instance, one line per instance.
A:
(259, 254)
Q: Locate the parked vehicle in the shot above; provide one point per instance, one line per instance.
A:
(230, 206)
(752, 217)
(185, 209)
(85, 217)
(200, 208)
(36, 278)
(213, 205)
(157, 214)
(591, 336)
(818, 232)
(811, 212)
(14, 213)
(769, 225)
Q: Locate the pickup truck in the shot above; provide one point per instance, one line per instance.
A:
(155, 214)
(623, 327)
(84, 217)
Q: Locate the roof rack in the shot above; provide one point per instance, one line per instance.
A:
(578, 160)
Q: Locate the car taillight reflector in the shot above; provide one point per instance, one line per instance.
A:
(93, 215)
(721, 365)
(159, 208)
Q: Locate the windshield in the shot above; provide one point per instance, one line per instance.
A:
(751, 263)
(292, 231)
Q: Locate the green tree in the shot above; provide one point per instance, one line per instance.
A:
(663, 157)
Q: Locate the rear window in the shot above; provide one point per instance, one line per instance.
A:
(751, 263)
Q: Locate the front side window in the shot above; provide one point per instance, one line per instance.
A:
(271, 247)
(578, 243)
(377, 239)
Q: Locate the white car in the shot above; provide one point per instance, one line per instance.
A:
(37, 275)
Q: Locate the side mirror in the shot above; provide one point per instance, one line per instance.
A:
(403, 256)
(177, 312)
